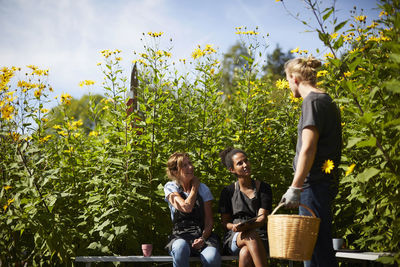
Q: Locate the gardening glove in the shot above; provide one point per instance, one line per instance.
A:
(292, 197)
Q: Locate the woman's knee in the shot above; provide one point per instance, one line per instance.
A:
(245, 256)
(180, 247)
(210, 256)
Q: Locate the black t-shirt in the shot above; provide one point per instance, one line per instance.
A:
(319, 110)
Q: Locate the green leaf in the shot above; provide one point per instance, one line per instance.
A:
(353, 65)
(353, 141)
(393, 86)
(386, 260)
(340, 25)
(395, 57)
(367, 117)
(326, 16)
(367, 174)
(369, 142)
(94, 245)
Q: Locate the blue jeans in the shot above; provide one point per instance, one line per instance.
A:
(318, 197)
(180, 253)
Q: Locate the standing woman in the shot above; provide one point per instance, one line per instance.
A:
(318, 153)
(190, 203)
(240, 201)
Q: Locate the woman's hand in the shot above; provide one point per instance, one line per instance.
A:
(241, 227)
(198, 243)
(195, 183)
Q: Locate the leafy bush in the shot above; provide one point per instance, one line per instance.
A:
(66, 192)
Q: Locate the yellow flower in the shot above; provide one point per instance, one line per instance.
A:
(212, 71)
(10, 201)
(334, 35)
(15, 136)
(294, 99)
(7, 187)
(93, 133)
(209, 49)
(155, 34)
(63, 133)
(197, 53)
(37, 93)
(328, 55)
(66, 98)
(361, 18)
(347, 74)
(45, 139)
(86, 82)
(70, 150)
(383, 13)
(32, 67)
(373, 25)
(328, 166)
(77, 123)
(5, 207)
(296, 50)
(282, 84)
(57, 127)
(322, 73)
(6, 112)
(350, 169)
(44, 119)
(44, 110)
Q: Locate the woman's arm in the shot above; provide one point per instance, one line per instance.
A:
(208, 225)
(226, 220)
(185, 205)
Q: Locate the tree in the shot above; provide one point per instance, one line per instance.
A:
(79, 110)
(274, 68)
(232, 62)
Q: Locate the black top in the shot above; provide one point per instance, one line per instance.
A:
(242, 208)
(190, 226)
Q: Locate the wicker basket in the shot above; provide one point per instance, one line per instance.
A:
(292, 237)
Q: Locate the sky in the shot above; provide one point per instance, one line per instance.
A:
(66, 36)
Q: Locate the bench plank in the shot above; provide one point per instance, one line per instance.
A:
(140, 258)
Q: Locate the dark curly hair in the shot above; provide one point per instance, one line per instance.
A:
(227, 154)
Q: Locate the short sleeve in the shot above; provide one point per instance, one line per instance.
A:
(170, 187)
(205, 193)
(312, 114)
(225, 203)
(266, 196)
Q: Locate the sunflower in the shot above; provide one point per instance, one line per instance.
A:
(328, 166)
(350, 169)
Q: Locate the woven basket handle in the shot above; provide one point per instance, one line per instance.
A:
(304, 206)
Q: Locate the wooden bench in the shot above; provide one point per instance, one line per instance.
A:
(89, 259)
(340, 255)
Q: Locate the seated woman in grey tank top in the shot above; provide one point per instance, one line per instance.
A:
(240, 201)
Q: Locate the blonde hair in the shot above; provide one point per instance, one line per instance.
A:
(304, 69)
(174, 164)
